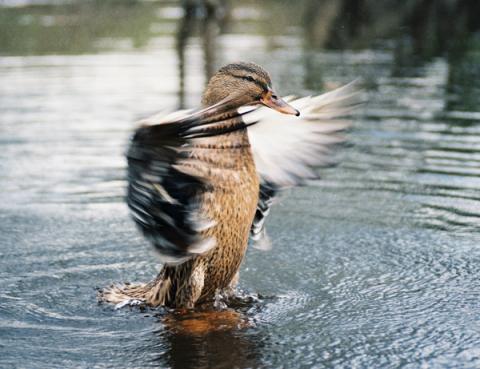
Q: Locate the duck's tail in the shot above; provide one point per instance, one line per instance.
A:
(153, 294)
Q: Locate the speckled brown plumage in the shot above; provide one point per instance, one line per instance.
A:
(231, 202)
(197, 191)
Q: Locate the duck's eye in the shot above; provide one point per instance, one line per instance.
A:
(274, 97)
(250, 78)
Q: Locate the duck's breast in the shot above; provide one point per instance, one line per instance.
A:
(230, 202)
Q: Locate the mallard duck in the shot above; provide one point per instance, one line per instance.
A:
(201, 182)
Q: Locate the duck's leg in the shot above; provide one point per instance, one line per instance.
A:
(229, 291)
(190, 290)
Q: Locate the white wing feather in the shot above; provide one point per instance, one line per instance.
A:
(286, 148)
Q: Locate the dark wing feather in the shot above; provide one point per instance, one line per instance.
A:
(258, 233)
(163, 195)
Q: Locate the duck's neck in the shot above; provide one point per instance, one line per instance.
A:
(235, 131)
(235, 136)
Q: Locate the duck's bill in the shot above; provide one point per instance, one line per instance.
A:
(274, 102)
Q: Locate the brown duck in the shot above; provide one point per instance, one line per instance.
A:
(200, 183)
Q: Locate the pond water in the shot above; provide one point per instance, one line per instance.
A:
(375, 265)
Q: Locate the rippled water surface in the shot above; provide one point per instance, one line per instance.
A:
(375, 265)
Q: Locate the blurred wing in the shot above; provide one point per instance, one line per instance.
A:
(286, 148)
(165, 182)
(258, 233)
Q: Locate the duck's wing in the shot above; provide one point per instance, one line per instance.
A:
(165, 182)
(287, 149)
(266, 197)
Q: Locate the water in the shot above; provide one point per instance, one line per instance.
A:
(376, 265)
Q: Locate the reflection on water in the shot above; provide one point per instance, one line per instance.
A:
(225, 349)
(210, 19)
(212, 339)
(376, 265)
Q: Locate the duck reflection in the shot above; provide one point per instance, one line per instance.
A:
(220, 339)
(209, 18)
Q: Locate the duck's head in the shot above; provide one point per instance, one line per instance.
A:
(247, 82)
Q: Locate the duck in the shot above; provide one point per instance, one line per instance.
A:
(202, 182)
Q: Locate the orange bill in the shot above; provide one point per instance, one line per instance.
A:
(271, 100)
